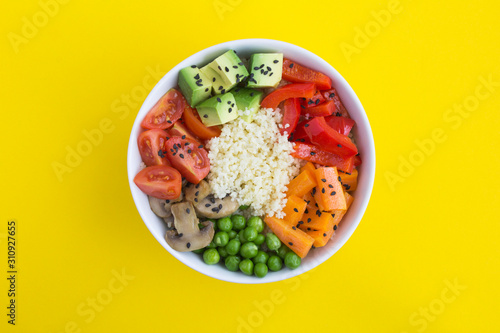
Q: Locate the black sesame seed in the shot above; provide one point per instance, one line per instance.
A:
(227, 69)
(276, 61)
(197, 77)
(313, 247)
(189, 151)
(228, 102)
(301, 222)
(205, 116)
(306, 211)
(265, 72)
(219, 68)
(306, 125)
(313, 153)
(261, 66)
(294, 228)
(333, 215)
(220, 206)
(195, 199)
(193, 66)
(215, 209)
(339, 145)
(167, 201)
(347, 187)
(212, 200)
(251, 94)
(169, 121)
(309, 220)
(208, 205)
(183, 137)
(290, 243)
(308, 229)
(323, 180)
(256, 68)
(223, 91)
(188, 245)
(317, 101)
(302, 106)
(295, 210)
(291, 65)
(218, 99)
(240, 63)
(213, 80)
(180, 235)
(324, 234)
(271, 74)
(188, 211)
(200, 146)
(314, 191)
(269, 68)
(338, 114)
(330, 185)
(197, 192)
(323, 190)
(332, 95)
(235, 67)
(230, 110)
(181, 156)
(206, 89)
(340, 179)
(197, 186)
(335, 227)
(310, 102)
(220, 87)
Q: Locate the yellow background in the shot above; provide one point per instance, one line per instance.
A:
(437, 227)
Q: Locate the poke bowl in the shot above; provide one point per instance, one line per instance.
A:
(261, 138)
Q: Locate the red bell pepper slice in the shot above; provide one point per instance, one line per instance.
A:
(300, 133)
(317, 99)
(315, 154)
(342, 125)
(294, 72)
(321, 110)
(357, 160)
(291, 116)
(329, 139)
(332, 95)
(294, 90)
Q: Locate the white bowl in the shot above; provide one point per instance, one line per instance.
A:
(362, 133)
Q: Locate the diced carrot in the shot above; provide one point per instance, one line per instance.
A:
(320, 237)
(349, 180)
(321, 221)
(329, 192)
(309, 166)
(339, 213)
(301, 184)
(309, 199)
(294, 209)
(297, 240)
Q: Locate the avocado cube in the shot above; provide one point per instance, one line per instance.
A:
(218, 110)
(230, 68)
(249, 100)
(218, 84)
(265, 70)
(195, 86)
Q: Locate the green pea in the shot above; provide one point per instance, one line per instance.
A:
(225, 224)
(239, 222)
(211, 245)
(261, 257)
(211, 256)
(250, 234)
(246, 266)
(273, 242)
(198, 251)
(249, 250)
(282, 251)
(292, 260)
(274, 263)
(260, 239)
(257, 223)
(222, 251)
(241, 235)
(233, 247)
(232, 263)
(232, 234)
(221, 238)
(260, 270)
(244, 207)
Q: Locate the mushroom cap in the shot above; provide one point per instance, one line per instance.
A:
(162, 208)
(214, 208)
(196, 193)
(187, 235)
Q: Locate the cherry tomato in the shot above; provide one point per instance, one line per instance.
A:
(166, 111)
(193, 122)
(190, 158)
(152, 147)
(160, 181)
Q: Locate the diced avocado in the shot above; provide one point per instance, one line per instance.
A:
(218, 110)
(230, 68)
(265, 70)
(218, 84)
(247, 99)
(195, 86)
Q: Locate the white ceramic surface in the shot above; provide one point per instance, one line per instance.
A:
(362, 133)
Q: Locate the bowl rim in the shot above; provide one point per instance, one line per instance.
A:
(368, 159)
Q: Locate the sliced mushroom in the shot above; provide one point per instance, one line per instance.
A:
(169, 221)
(162, 207)
(187, 235)
(196, 193)
(213, 208)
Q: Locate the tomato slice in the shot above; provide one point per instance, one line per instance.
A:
(342, 125)
(321, 110)
(159, 181)
(294, 90)
(193, 122)
(295, 72)
(291, 116)
(152, 147)
(166, 111)
(315, 154)
(189, 157)
(332, 95)
(328, 139)
(180, 129)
